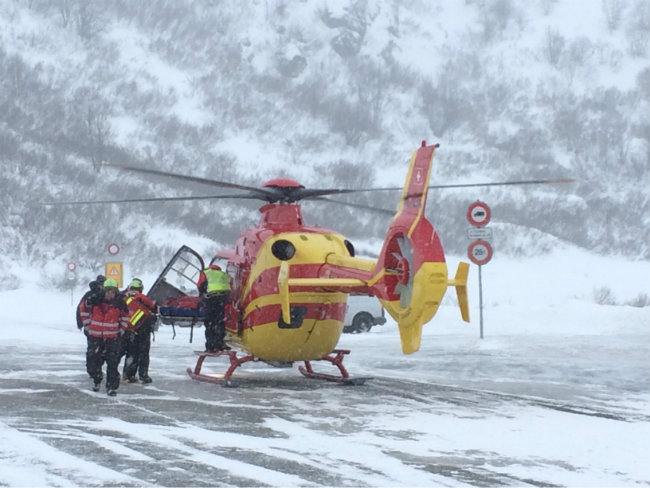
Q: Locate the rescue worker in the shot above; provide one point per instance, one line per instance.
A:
(104, 325)
(214, 286)
(93, 296)
(138, 336)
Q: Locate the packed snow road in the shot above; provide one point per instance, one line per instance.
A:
(558, 393)
(539, 412)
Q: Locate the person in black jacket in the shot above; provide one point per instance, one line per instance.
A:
(214, 287)
(93, 296)
(138, 337)
(105, 327)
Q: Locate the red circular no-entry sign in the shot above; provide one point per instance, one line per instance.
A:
(479, 252)
(478, 214)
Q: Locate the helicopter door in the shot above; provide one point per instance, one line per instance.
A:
(179, 278)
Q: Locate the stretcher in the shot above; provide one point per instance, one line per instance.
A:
(184, 311)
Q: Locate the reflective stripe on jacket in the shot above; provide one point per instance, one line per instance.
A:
(83, 314)
(141, 307)
(106, 321)
(218, 281)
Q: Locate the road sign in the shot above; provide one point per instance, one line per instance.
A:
(72, 266)
(479, 252)
(113, 249)
(114, 270)
(478, 214)
(482, 233)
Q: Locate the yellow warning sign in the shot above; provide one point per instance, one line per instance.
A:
(114, 271)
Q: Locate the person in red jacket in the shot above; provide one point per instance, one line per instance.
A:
(93, 296)
(104, 323)
(138, 337)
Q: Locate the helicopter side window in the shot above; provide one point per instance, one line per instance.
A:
(283, 249)
(233, 272)
(350, 247)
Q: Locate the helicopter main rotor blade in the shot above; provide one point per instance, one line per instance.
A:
(153, 199)
(356, 205)
(289, 195)
(503, 183)
(262, 193)
(318, 194)
(471, 185)
(315, 193)
(277, 194)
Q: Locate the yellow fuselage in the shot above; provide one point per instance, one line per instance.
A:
(263, 333)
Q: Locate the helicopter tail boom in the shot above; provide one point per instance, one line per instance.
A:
(410, 277)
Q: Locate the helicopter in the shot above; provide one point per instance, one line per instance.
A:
(290, 281)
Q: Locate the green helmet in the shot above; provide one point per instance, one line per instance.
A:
(110, 283)
(136, 284)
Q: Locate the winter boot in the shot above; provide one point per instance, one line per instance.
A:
(97, 382)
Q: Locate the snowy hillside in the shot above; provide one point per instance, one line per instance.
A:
(335, 94)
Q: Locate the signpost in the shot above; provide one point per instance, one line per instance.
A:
(480, 250)
(114, 270)
(478, 214)
(72, 268)
(482, 233)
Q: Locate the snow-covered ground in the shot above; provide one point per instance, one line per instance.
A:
(557, 393)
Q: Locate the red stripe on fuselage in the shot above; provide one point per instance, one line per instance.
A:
(315, 311)
(266, 283)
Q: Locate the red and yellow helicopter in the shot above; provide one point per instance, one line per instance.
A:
(290, 282)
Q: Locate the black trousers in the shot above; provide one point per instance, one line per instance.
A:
(138, 346)
(215, 326)
(100, 351)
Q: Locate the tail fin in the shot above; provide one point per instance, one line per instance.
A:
(411, 272)
(460, 282)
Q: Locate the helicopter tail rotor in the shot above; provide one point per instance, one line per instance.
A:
(404, 287)
(411, 270)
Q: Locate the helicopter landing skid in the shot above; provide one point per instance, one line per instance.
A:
(235, 362)
(336, 360)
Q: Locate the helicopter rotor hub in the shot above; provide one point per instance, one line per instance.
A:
(403, 271)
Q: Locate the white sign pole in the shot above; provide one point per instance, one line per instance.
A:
(71, 267)
(480, 297)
